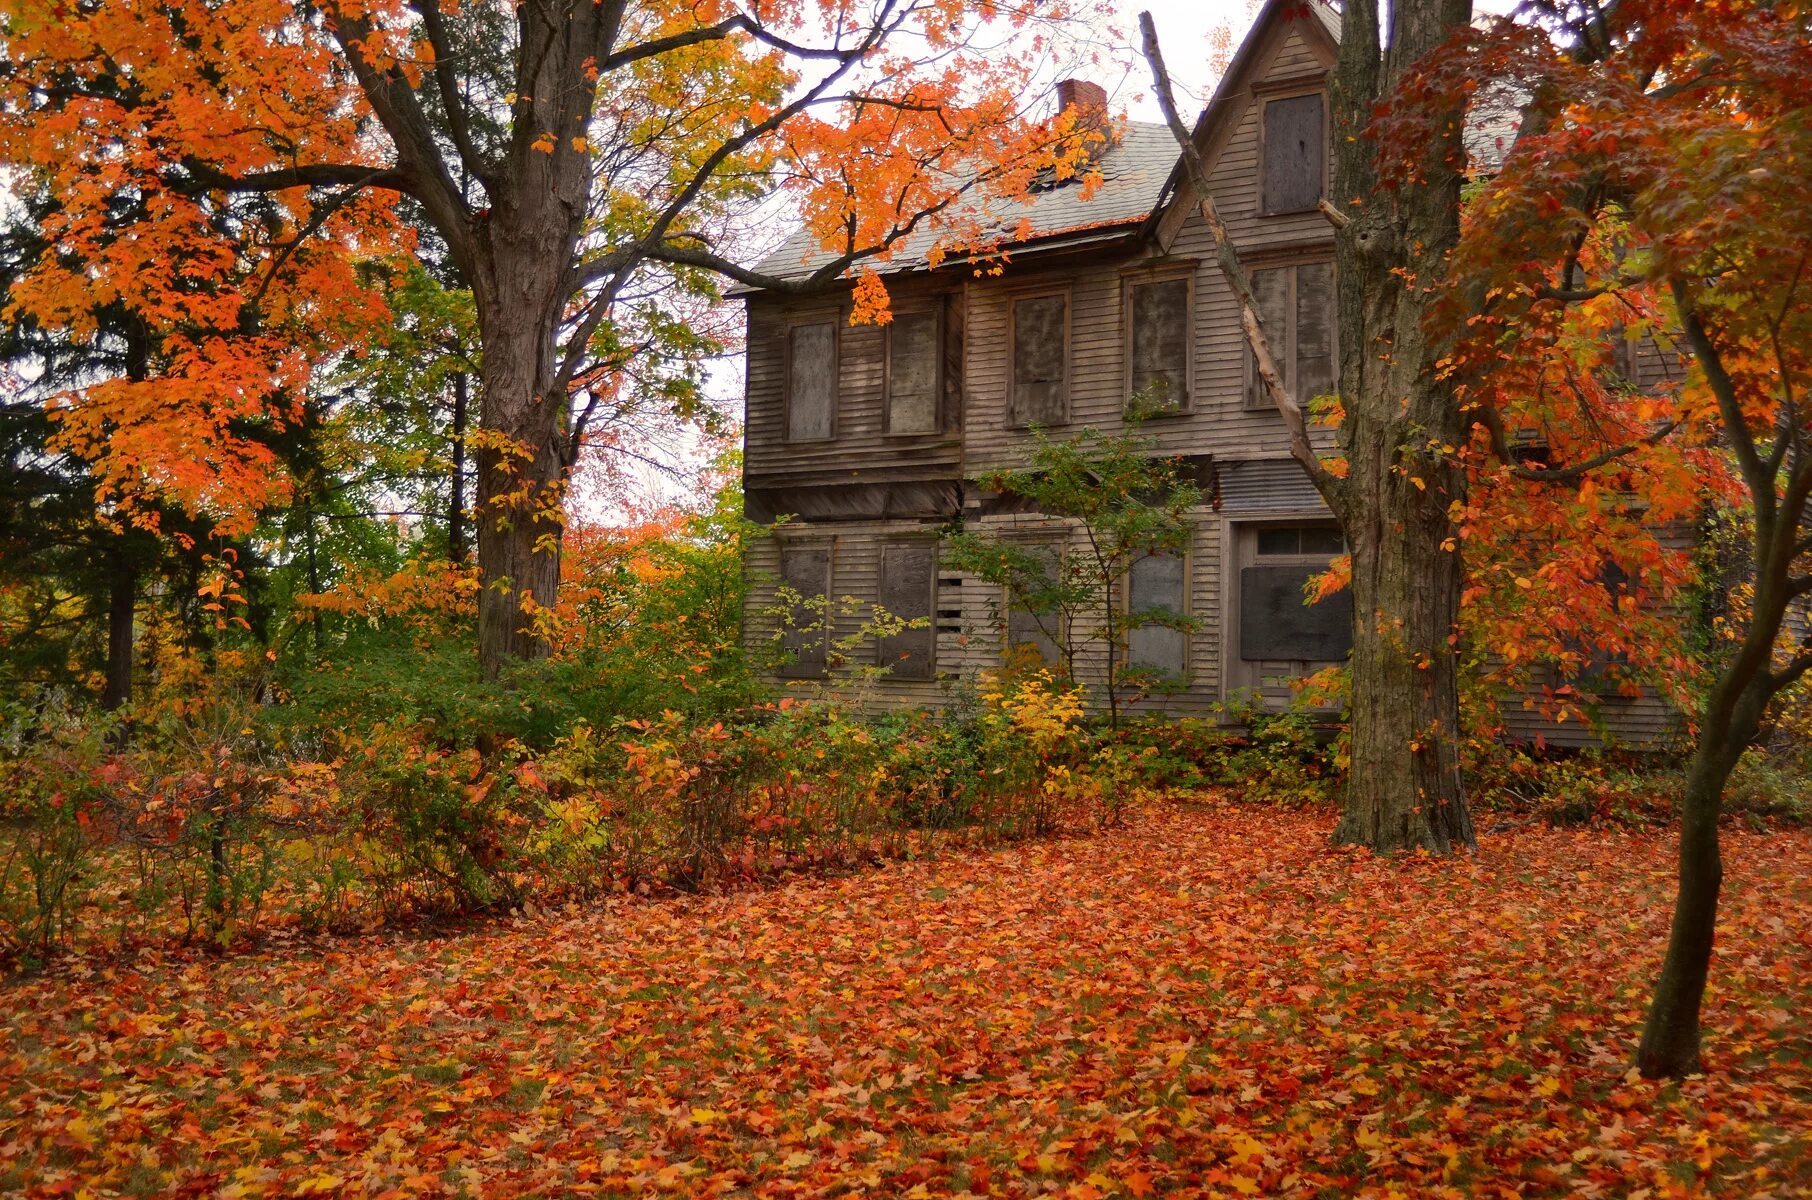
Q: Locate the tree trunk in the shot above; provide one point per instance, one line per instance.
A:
(1404, 790)
(1670, 1036)
(1401, 423)
(521, 446)
(122, 602)
(456, 504)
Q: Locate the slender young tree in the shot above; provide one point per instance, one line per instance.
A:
(563, 153)
(1692, 134)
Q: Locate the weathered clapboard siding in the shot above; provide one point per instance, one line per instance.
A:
(1217, 420)
(861, 443)
(970, 636)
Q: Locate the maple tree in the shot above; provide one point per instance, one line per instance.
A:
(577, 163)
(1664, 181)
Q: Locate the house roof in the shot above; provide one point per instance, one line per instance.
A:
(1133, 166)
(1141, 171)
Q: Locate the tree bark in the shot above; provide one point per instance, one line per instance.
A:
(1404, 790)
(1401, 422)
(1670, 1036)
(456, 503)
(521, 458)
(122, 601)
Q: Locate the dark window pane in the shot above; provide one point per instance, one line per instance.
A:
(1158, 583)
(1030, 624)
(1271, 289)
(1294, 146)
(811, 402)
(1276, 625)
(806, 570)
(1322, 539)
(1286, 539)
(1315, 365)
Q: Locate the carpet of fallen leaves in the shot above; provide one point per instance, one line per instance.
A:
(1208, 1001)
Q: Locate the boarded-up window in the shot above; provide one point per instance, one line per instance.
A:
(1296, 308)
(1039, 392)
(806, 570)
(1032, 622)
(913, 378)
(1276, 622)
(908, 591)
(1159, 312)
(811, 382)
(1295, 140)
(1157, 586)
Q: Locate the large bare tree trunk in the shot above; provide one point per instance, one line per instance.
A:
(1401, 424)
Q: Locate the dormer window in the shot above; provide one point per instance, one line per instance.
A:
(1294, 154)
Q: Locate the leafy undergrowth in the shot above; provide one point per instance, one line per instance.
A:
(1205, 1002)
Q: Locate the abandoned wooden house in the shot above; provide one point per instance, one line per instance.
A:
(867, 439)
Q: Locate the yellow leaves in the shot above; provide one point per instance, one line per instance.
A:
(543, 144)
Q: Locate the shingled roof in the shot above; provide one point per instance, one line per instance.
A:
(1133, 168)
(1141, 171)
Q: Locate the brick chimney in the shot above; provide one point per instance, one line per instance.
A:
(1088, 99)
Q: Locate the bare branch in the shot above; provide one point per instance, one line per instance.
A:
(740, 23)
(1238, 280)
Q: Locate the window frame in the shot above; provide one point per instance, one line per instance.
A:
(938, 424)
(835, 321)
(915, 541)
(1186, 676)
(1249, 384)
(1291, 90)
(790, 670)
(1013, 297)
(1235, 672)
(1132, 280)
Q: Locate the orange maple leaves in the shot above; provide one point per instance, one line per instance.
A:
(1208, 1002)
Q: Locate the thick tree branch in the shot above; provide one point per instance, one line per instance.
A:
(205, 177)
(1493, 423)
(1736, 425)
(418, 153)
(740, 23)
(457, 126)
(1238, 280)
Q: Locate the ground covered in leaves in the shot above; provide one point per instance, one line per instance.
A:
(1205, 1002)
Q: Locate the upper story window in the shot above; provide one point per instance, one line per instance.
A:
(1296, 308)
(914, 372)
(1159, 323)
(1038, 392)
(1293, 171)
(811, 382)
